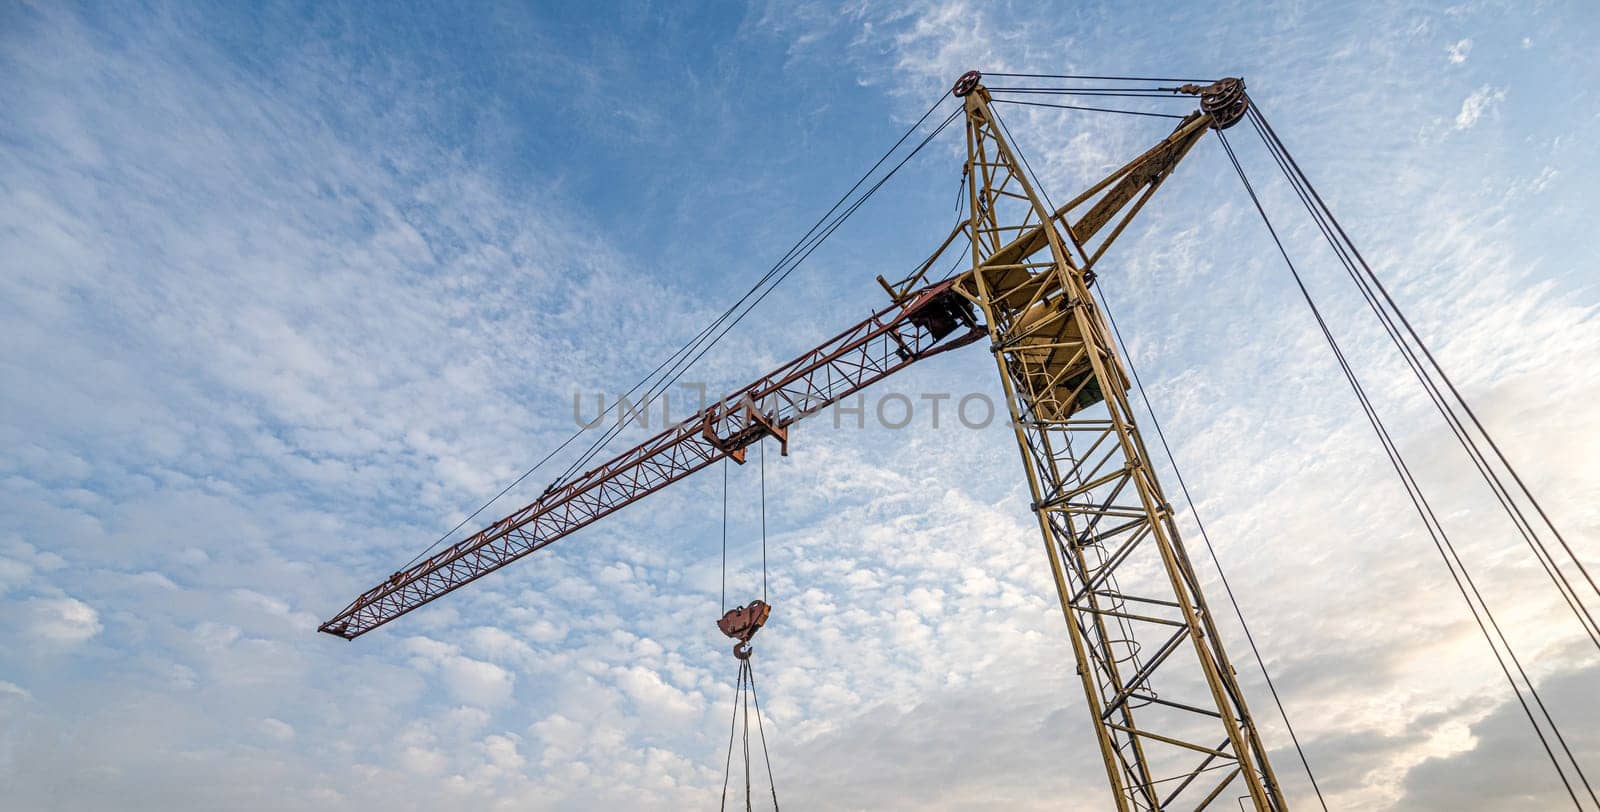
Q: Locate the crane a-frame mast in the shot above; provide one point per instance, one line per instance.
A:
(1171, 722)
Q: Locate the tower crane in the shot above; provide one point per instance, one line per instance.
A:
(1170, 721)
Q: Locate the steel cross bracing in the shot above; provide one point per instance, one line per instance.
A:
(925, 323)
(1171, 722)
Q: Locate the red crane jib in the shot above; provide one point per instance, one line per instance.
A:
(926, 324)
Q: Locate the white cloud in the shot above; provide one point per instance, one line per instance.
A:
(657, 701)
(277, 730)
(1543, 180)
(501, 751)
(212, 636)
(1459, 51)
(151, 578)
(12, 573)
(1474, 106)
(64, 621)
(423, 761)
(616, 574)
(498, 644)
(477, 682)
(474, 682)
(561, 736)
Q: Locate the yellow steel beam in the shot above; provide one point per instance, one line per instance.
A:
(1064, 381)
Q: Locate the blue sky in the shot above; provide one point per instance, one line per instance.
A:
(286, 291)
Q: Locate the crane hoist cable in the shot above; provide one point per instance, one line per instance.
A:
(724, 608)
(743, 698)
(741, 624)
(697, 346)
(1424, 367)
(1458, 571)
(762, 456)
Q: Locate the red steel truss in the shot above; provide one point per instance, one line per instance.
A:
(929, 322)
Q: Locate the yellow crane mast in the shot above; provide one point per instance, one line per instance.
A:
(1100, 508)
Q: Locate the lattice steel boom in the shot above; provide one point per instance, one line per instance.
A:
(925, 324)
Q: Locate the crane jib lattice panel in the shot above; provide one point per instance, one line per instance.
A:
(886, 342)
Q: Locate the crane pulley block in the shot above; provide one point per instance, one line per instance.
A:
(742, 623)
(1224, 100)
(755, 425)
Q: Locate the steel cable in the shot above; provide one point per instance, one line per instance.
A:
(806, 246)
(763, 444)
(1365, 281)
(733, 724)
(699, 340)
(750, 679)
(1458, 571)
(821, 237)
(1100, 78)
(1112, 92)
(724, 535)
(1216, 561)
(1089, 109)
(743, 697)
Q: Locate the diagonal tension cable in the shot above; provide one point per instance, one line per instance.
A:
(750, 683)
(1436, 532)
(776, 275)
(1088, 109)
(685, 356)
(1101, 78)
(733, 723)
(1113, 92)
(809, 247)
(1398, 329)
(1216, 561)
